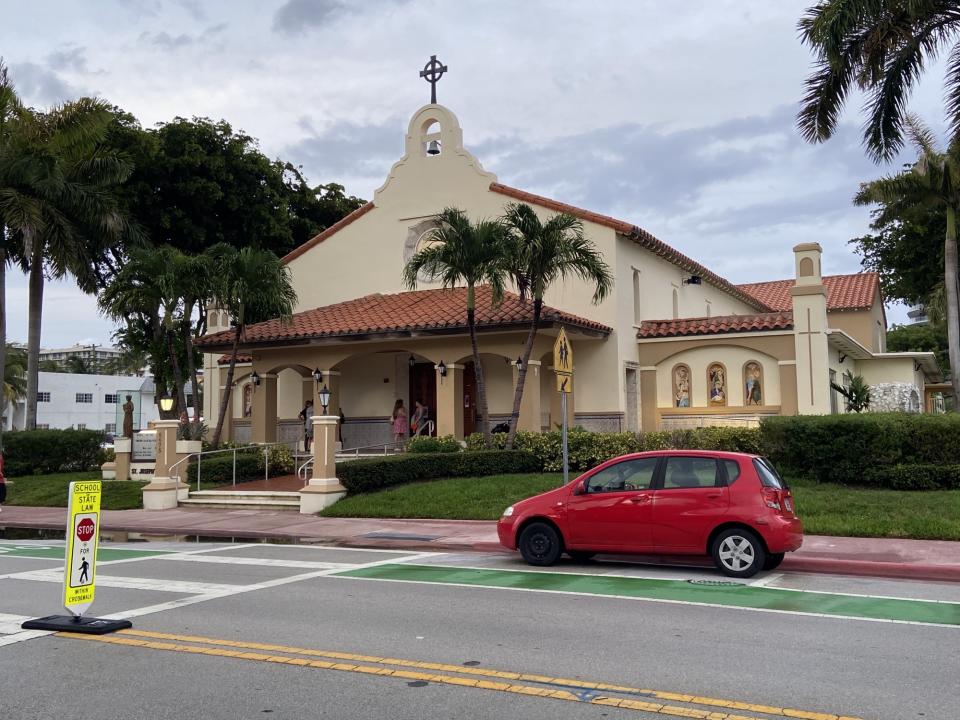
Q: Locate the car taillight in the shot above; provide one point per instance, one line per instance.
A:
(771, 497)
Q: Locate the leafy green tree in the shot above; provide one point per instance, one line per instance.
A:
(51, 366)
(197, 183)
(540, 254)
(934, 180)
(251, 284)
(130, 361)
(856, 391)
(905, 249)
(929, 337)
(461, 252)
(81, 365)
(881, 48)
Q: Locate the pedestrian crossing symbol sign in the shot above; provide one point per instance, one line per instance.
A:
(563, 363)
(83, 532)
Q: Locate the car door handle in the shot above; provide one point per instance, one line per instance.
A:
(638, 499)
(713, 496)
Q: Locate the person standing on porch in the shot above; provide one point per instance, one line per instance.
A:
(418, 419)
(399, 419)
(306, 415)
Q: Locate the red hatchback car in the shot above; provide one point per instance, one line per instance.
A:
(731, 506)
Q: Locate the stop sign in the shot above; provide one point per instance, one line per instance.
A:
(85, 529)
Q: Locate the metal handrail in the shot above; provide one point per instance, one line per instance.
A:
(259, 446)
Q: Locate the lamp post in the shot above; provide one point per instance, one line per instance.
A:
(166, 401)
(255, 379)
(325, 399)
(318, 375)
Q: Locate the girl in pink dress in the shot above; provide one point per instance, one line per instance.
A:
(399, 420)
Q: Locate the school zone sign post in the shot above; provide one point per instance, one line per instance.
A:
(80, 566)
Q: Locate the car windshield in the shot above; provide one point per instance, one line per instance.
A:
(768, 474)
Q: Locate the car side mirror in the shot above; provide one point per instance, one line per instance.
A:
(581, 488)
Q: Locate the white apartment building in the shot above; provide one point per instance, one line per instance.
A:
(95, 355)
(92, 402)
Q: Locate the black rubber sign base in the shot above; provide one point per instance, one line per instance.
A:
(71, 623)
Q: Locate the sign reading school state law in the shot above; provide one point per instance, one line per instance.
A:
(83, 532)
(563, 363)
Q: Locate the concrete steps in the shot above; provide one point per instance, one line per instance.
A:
(250, 500)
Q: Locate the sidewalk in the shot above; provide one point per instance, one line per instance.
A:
(931, 560)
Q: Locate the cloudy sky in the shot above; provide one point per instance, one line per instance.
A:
(678, 117)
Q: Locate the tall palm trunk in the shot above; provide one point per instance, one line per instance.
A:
(522, 372)
(35, 315)
(177, 374)
(225, 403)
(951, 290)
(477, 366)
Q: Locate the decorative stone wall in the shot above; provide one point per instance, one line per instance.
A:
(889, 397)
(600, 422)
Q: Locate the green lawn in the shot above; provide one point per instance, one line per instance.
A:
(51, 491)
(824, 509)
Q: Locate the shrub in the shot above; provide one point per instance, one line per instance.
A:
(41, 452)
(845, 448)
(588, 449)
(914, 477)
(375, 474)
(251, 462)
(444, 444)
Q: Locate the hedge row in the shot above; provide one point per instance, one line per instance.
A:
(41, 452)
(587, 449)
(359, 476)
(250, 466)
(847, 448)
(443, 444)
(914, 477)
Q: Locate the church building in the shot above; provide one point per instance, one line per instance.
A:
(674, 345)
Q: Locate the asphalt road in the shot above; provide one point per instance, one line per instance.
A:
(265, 631)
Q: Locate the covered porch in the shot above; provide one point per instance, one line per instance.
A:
(370, 352)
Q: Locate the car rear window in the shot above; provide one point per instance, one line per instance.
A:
(768, 475)
(733, 470)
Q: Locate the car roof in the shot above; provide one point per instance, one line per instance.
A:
(723, 454)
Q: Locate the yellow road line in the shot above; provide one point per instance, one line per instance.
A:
(557, 694)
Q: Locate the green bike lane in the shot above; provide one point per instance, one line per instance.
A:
(56, 552)
(712, 593)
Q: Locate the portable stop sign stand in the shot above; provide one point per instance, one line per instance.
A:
(80, 569)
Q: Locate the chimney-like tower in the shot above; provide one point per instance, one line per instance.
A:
(810, 332)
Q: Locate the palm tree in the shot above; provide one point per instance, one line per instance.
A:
(855, 391)
(14, 374)
(542, 253)
(459, 252)
(934, 180)
(17, 209)
(251, 285)
(880, 47)
(78, 216)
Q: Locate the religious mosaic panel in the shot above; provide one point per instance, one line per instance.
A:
(716, 384)
(681, 386)
(752, 383)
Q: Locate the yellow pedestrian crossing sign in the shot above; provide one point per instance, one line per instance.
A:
(563, 363)
(83, 533)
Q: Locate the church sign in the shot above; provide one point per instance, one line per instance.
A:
(144, 446)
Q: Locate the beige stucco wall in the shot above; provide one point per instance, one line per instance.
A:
(733, 358)
(865, 326)
(889, 370)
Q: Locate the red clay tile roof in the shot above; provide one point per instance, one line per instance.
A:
(639, 236)
(844, 292)
(716, 325)
(424, 310)
(241, 358)
(336, 227)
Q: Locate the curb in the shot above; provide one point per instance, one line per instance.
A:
(895, 570)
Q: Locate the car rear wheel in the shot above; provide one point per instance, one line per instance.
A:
(581, 555)
(738, 553)
(540, 544)
(773, 561)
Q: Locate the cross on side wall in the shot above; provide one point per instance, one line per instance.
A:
(810, 333)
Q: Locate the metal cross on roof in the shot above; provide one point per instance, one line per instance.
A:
(432, 72)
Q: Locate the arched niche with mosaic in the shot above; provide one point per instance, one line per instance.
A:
(419, 236)
(716, 384)
(682, 392)
(752, 383)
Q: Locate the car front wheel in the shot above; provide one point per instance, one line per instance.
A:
(540, 544)
(738, 553)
